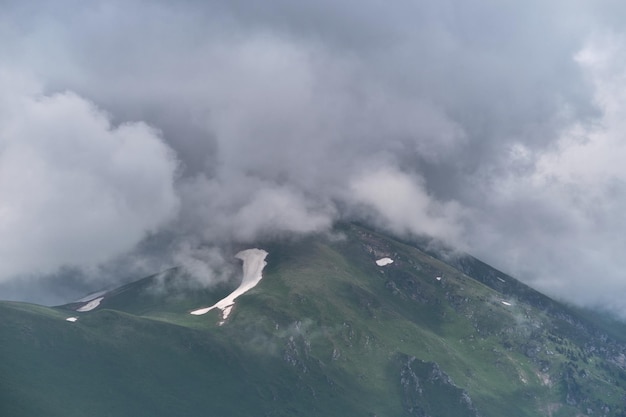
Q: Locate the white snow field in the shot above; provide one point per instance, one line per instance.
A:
(72, 319)
(384, 261)
(253, 264)
(505, 303)
(90, 305)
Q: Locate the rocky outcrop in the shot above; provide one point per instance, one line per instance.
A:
(427, 391)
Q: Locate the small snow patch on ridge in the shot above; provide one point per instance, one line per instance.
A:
(505, 303)
(72, 319)
(253, 264)
(226, 313)
(90, 305)
(384, 261)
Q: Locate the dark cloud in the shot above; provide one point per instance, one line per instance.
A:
(494, 127)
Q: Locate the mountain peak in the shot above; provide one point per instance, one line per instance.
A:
(365, 325)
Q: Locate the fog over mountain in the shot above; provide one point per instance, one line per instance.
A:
(139, 135)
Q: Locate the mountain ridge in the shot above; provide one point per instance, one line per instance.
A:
(327, 331)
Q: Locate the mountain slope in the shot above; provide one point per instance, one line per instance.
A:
(327, 332)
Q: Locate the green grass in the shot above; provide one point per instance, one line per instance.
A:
(326, 332)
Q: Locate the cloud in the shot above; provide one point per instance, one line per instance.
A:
(204, 265)
(559, 225)
(492, 126)
(247, 209)
(401, 204)
(75, 189)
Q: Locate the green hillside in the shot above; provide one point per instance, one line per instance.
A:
(327, 332)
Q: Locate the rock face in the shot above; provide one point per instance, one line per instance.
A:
(429, 392)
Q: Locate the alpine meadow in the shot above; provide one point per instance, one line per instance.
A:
(313, 208)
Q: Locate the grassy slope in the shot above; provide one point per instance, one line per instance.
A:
(327, 332)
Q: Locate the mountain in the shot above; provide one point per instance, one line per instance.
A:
(360, 324)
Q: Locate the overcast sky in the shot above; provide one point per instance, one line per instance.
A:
(135, 135)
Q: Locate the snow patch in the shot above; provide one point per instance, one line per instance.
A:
(225, 314)
(501, 279)
(72, 319)
(505, 303)
(384, 261)
(438, 278)
(202, 311)
(90, 305)
(253, 264)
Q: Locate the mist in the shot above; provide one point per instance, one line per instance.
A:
(137, 136)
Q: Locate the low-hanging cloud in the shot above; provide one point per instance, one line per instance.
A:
(74, 189)
(564, 212)
(400, 203)
(494, 127)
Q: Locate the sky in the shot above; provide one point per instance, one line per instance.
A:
(139, 135)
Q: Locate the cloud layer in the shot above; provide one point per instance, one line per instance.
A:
(75, 189)
(563, 212)
(141, 134)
